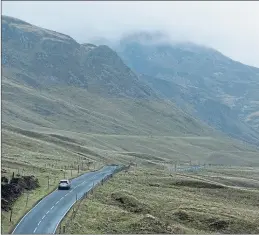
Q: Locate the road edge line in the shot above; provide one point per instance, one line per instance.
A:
(12, 230)
(96, 185)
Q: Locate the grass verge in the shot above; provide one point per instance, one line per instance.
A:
(155, 201)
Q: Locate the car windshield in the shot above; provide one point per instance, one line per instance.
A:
(63, 181)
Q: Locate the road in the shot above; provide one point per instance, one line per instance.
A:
(47, 214)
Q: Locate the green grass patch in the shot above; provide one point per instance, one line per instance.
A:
(147, 200)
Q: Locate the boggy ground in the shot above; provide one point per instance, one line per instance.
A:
(223, 200)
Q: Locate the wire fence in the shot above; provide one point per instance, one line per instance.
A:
(61, 229)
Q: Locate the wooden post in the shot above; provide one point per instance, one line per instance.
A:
(11, 215)
(48, 181)
(64, 229)
(27, 199)
(13, 175)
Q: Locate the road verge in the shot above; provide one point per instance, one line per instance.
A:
(61, 228)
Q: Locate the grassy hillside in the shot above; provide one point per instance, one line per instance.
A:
(63, 95)
(41, 58)
(50, 80)
(67, 105)
(223, 200)
(211, 86)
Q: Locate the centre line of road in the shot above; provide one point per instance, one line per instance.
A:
(57, 203)
(33, 208)
(70, 207)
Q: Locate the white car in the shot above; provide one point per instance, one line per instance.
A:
(64, 184)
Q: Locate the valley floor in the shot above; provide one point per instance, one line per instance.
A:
(51, 154)
(221, 200)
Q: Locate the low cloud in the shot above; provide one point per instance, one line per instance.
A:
(230, 27)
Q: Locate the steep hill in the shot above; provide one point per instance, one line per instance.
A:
(82, 100)
(57, 59)
(220, 91)
(51, 80)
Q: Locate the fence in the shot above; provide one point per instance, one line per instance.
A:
(61, 229)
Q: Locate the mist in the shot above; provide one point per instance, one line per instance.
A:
(230, 27)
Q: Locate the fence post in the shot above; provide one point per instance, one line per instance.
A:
(27, 199)
(64, 229)
(11, 215)
(48, 181)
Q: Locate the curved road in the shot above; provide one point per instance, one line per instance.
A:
(47, 214)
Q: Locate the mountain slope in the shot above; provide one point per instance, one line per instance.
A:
(220, 91)
(58, 59)
(82, 100)
(50, 80)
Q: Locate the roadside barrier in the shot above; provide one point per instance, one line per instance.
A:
(61, 229)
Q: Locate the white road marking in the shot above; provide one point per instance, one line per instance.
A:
(52, 207)
(39, 223)
(43, 217)
(33, 208)
(57, 202)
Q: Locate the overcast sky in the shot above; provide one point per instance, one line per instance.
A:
(230, 27)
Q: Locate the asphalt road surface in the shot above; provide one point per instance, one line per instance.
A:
(47, 214)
